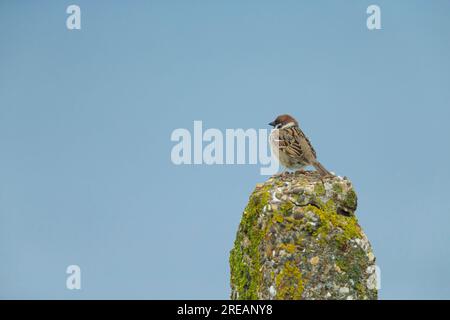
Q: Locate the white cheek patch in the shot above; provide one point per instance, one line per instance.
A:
(288, 125)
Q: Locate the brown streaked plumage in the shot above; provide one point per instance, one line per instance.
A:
(291, 146)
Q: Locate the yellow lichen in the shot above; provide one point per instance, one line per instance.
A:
(289, 247)
(289, 282)
(330, 220)
(246, 277)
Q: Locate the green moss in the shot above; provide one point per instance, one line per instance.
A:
(330, 219)
(289, 282)
(277, 217)
(245, 275)
(353, 265)
(341, 264)
(351, 199)
(361, 289)
(357, 265)
(337, 188)
(299, 241)
(286, 208)
(291, 222)
(319, 189)
(299, 197)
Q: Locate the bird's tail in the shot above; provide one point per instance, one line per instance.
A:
(321, 169)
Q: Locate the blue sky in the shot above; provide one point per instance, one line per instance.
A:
(86, 118)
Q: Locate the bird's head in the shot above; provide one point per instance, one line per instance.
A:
(283, 121)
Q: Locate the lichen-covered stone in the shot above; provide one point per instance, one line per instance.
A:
(299, 239)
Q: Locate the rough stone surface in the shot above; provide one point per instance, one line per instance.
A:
(299, 239)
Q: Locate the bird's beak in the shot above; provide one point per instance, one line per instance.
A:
(272, 124)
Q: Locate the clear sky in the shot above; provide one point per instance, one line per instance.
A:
(86, 118)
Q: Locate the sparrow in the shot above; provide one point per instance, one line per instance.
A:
(292, 148)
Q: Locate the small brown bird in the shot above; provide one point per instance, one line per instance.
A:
(292, 147)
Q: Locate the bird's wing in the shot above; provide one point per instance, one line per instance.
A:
(308, 143)
(294, 142)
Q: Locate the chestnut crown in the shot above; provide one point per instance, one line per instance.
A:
(283, 120)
